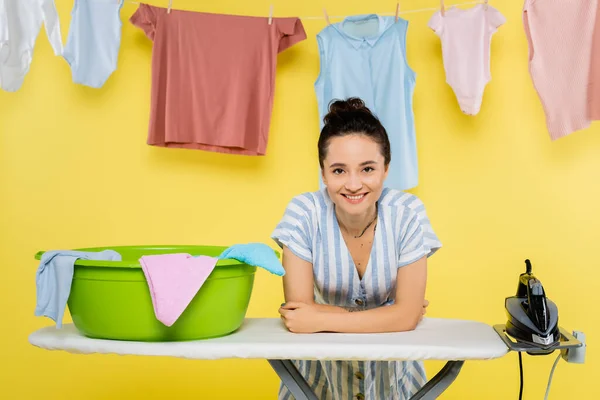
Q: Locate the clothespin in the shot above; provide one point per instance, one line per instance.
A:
(170, 5)
(397, 10)
(326, 16)
(442, 8)
(486, 4)
(271, 14)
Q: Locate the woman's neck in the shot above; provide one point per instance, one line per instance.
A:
(355, 224)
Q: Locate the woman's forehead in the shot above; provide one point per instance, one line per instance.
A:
(353, 148)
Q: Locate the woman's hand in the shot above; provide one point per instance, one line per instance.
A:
(301, 317)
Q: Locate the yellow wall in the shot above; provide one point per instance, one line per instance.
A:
(75, 171)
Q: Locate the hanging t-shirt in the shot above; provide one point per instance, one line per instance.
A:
(594, 80)
(365, 56)
(213, 77)
(559, 36)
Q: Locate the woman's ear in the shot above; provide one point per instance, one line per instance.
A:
(323, 177)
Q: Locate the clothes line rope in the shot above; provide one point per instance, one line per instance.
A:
(322, 17)
(393, 14)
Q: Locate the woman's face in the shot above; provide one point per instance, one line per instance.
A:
(354, 172)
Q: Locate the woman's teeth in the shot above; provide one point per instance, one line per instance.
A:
(355, 197)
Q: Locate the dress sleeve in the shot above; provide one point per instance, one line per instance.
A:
(294, 229)
(416, 236)
(495, 18)
(291, 32)
(52, 24)
(436, 22)
(145, 19)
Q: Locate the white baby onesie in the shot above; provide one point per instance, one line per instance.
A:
(20, 23)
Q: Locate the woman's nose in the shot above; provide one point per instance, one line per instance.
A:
(353, 183)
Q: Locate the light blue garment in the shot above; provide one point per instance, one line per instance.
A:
(309, 228)
(54, 277)
(365, 56)
(256, 254)
(94, 40)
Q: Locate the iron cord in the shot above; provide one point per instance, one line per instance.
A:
(521, 376)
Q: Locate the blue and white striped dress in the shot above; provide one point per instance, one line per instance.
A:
(309, 228)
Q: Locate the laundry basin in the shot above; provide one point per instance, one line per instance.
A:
(111, 299)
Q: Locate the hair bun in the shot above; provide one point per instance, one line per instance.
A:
(348, 105)
(338, 107)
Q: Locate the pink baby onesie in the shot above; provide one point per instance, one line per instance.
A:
(173, 281)
(559, 35)
(466, 35)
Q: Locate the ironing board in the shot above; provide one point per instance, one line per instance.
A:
(454, 341)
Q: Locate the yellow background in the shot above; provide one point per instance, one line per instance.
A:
(75, 171)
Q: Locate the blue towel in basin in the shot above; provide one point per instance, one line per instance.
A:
(256, 254)
(54, 277)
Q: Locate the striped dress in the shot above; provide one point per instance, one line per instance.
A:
(309, 228)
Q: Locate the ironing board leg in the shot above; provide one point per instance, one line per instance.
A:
(300, 389)
(292, 379)
(440, 382)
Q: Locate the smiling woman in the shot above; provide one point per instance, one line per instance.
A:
(355, 246)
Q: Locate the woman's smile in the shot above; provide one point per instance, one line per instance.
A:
(354, 198)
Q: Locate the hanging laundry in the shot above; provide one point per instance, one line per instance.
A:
(559, 35)
(594, 76)
(94, 40)
(365, 56)
(22, 20)
(3, 33)
(466, 36)
(54, 277)
(213, 77)
(174, 280)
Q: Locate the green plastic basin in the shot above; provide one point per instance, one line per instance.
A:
(111, 299)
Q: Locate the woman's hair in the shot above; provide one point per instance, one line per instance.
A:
(352, 117)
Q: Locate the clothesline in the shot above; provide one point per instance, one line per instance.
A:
(393, 14)
(321, 17)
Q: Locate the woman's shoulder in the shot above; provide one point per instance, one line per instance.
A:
(308, 203)
(308, 199)
(395, 198)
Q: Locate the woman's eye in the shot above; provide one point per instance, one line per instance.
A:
(338, 171)
(369, 169)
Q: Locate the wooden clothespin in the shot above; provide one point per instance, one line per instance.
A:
(397, 10)
(170, 5)
(442, 8)
(326, 16)
(486, 4)
(271, 14)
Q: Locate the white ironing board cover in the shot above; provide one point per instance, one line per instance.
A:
(267, 338)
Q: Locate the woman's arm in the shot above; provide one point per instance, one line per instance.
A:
(298, 282)
(403, 315)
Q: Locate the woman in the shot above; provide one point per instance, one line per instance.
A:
(350, 249)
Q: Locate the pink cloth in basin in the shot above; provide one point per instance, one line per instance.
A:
(174, 280)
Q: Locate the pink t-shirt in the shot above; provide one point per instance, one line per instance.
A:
(559, 35)
(594, 84)
(213, 77)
